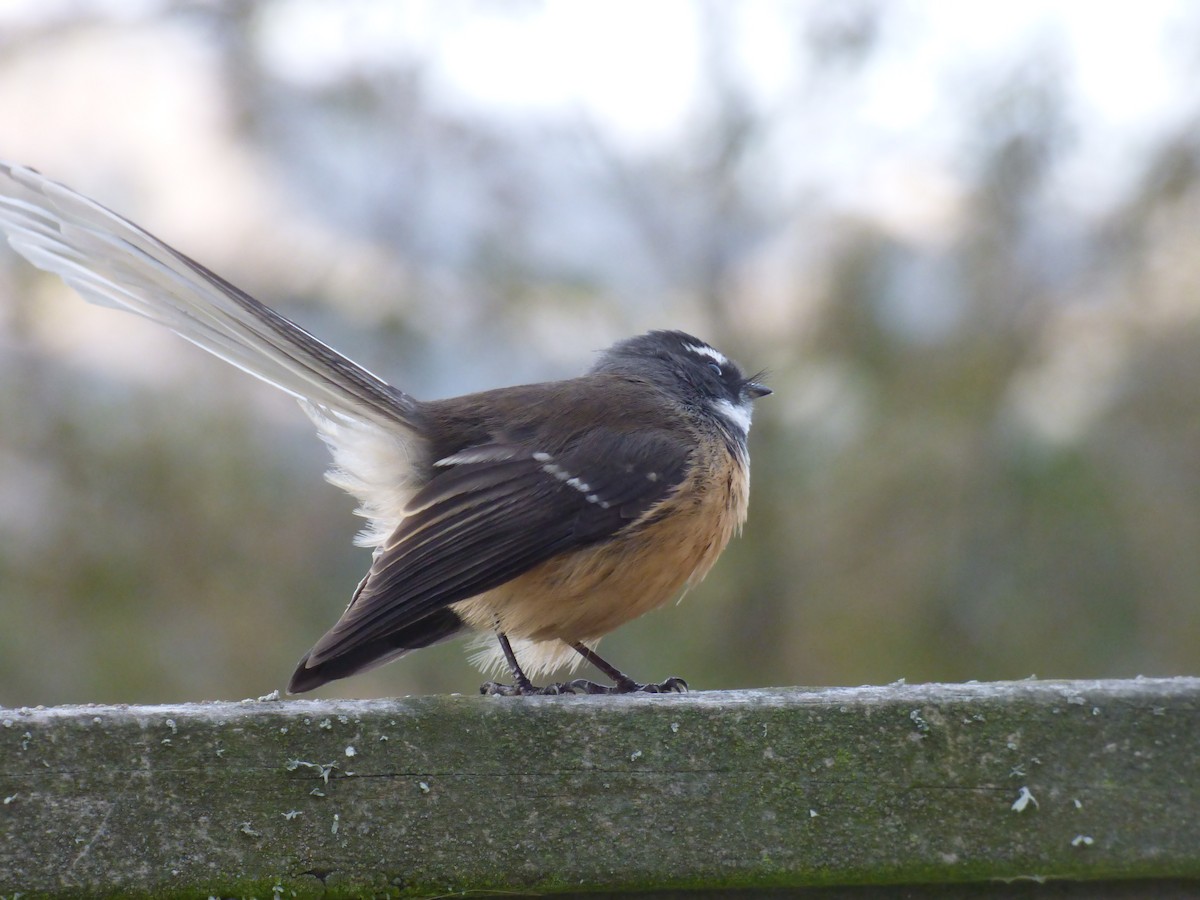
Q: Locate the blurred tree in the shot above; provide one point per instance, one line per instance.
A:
(982, 459)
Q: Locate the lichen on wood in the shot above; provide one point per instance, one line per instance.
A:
(902, 784)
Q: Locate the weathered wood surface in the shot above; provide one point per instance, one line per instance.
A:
(901, 785)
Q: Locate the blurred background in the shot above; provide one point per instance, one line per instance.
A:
(962, 237)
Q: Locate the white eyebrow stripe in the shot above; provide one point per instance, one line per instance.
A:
(737, 415)
(703, 350)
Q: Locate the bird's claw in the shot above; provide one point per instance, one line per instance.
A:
(672, 685)
(583, 686)
(629, 686)
(496, 689)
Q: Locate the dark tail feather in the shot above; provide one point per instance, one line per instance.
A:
(434, 628)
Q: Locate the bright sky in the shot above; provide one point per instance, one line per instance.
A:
(633, 69)
(635, 64)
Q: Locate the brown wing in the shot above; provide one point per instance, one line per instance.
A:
(494, 512)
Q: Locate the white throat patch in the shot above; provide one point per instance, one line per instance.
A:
(736, 414)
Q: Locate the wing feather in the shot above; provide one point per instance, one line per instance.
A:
(477, 525)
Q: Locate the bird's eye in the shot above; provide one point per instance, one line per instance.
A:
(716, 369)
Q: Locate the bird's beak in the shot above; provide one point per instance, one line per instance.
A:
(754, 390)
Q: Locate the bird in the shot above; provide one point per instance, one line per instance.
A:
(539, 517)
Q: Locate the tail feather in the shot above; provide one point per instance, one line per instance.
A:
(436, 627)
(114, 263)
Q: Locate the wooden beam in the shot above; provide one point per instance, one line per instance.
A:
(978, 784)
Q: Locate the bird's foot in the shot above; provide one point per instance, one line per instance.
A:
(582, 686)
(629, 686)
(495, 689)
(672, 685)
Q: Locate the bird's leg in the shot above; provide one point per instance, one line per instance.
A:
(623, 684)
(521, 684)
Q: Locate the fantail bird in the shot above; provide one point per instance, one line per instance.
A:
(546, 514)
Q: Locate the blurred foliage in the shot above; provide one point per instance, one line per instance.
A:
(982, 459)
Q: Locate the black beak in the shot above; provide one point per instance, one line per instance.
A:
(754, 390)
